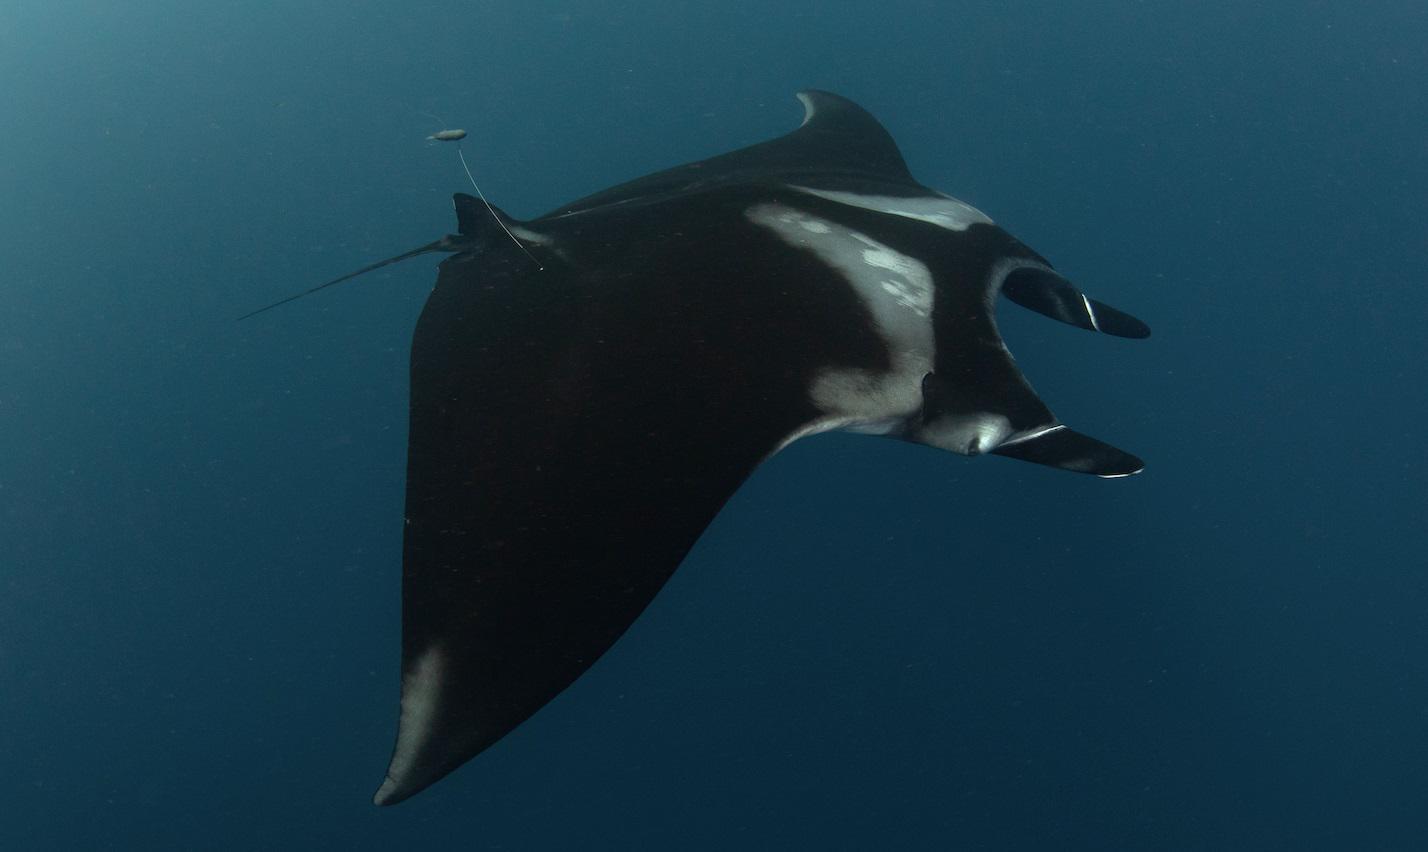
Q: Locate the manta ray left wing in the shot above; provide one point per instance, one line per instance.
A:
(558, 471)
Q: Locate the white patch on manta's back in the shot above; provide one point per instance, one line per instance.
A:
(944, 211)
(421, 690)
(528, 236)
(910, 284)
(898, 292)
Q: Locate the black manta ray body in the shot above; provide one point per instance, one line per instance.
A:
(577, 420)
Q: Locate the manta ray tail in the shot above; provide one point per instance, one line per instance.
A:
(442, 244)
(480, 226)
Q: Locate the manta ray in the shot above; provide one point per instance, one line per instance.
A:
(585, 398)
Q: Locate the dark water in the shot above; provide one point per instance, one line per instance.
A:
(877, 645)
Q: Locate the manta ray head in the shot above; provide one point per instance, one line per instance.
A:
(956, 416)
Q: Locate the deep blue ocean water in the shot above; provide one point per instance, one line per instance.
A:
(876, 645)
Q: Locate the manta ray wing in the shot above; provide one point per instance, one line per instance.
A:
(572, 433)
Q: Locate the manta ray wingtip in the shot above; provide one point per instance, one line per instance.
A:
(397, 788)
(387, 794)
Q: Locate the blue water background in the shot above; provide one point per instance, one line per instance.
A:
(876, 645)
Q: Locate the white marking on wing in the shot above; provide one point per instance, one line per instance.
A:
(1032, 434)
(1090, 313)
(833, 424)
(421, 691)
(808, 108)
(822, 424)
(529, 236)
(918, 303)
(898, 292)
(1117, 475)
(944, 211)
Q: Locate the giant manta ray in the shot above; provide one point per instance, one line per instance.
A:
(584, 401)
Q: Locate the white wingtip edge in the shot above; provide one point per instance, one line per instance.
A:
(421, 690)
(808, 107)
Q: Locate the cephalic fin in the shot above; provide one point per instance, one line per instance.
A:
(1039, 289)
(1058, 446)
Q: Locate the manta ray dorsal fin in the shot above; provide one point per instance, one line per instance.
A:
(839, 135)
(836, 137)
